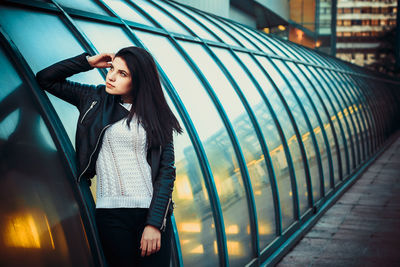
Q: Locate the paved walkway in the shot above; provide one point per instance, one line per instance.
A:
(363, 227)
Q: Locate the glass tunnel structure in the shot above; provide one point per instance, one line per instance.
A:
(273, 131)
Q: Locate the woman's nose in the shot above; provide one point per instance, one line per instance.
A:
(111, 76)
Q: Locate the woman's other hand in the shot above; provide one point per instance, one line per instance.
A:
(102, 60)
(151, 240)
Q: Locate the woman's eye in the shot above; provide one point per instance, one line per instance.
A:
(123, 74)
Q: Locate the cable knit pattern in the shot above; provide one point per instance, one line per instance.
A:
(123, 173)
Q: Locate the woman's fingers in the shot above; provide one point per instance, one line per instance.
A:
(143, 248)
(151, 241)
(158, 244)
(102, 60)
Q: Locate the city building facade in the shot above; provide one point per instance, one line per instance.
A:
(361, 29)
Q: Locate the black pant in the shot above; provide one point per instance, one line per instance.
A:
(120, 231)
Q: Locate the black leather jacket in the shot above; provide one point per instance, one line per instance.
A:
(98, 110)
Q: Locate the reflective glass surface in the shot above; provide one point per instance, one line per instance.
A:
(342, 107)
(243, 128)
(261, 37)
(207, 24)
(127, 12)
(272, 138)
(189, 22)
(160, 17)
(40, 218)
(308, 87)
(105, 38)
(218, 148)
(349, 112)
(315, 93)
(192, 213)
(261, 46)
(42, 46)
(312, 149)
(354, 111)
(336, 114)
(271, 44)
(313, 114)
(242, 40)
(363, 105)
(290, 133)
(88, 5)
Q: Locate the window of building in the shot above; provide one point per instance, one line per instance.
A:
(365, 34)
(392, 22)
(384, 10)
(383, 22)
(366, 22)
(356, 22)
(371, 56)
(339, 22)
(356, 10)
(375, 10)
(347, 22)
(339, 34)
(340, 10)
(347, 34)
(375, 22)
(346, 10)
(366, 10)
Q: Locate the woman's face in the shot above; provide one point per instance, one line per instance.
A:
(119, 79)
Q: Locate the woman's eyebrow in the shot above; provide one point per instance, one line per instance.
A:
(123, 71)
(120, 69)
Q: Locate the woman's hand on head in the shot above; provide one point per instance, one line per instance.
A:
(151, 241)
(102, 60)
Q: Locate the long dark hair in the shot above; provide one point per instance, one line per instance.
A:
(149, 102)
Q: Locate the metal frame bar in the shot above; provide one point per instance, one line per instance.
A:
(339, 110)
(356, 129)
(360, 106)
(333, 108)
(360, 119)
(348, 119)
(308, 123)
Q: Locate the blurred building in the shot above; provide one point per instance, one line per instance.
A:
(360, 27)
(306, 22)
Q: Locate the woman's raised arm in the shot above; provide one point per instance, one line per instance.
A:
(53, 78)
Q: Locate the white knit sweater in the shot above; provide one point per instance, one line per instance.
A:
(123, 173)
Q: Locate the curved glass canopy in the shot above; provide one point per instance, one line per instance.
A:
(273, 130)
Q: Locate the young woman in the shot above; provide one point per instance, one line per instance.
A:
(125, 137)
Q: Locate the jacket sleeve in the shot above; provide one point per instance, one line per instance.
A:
(162, 189)
(53, 79)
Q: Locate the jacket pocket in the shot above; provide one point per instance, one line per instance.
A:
(88, 110)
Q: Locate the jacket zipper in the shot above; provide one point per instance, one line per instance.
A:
(164, 224)
(90, 158)
(91, 106)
